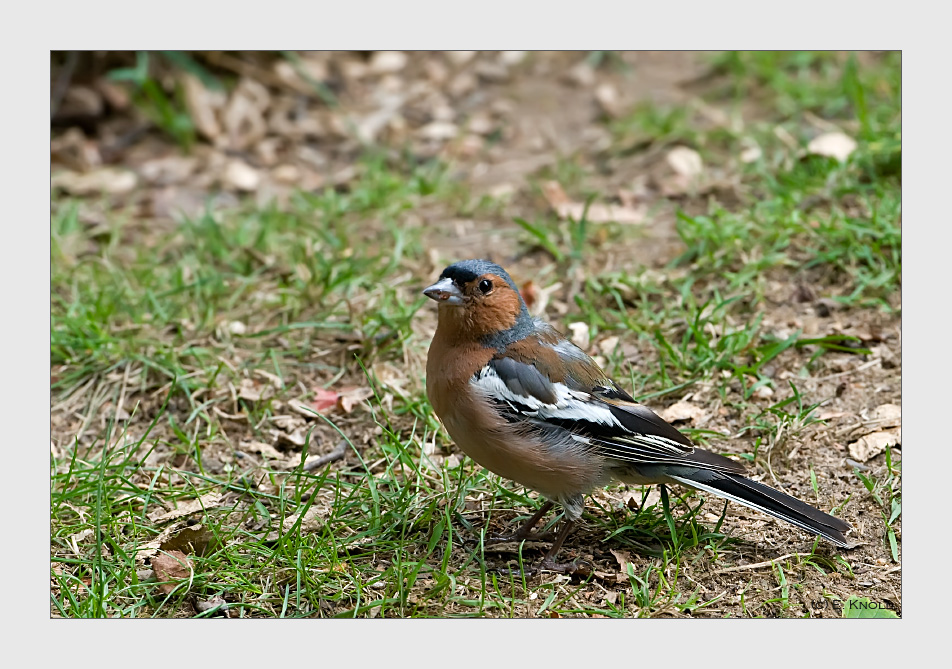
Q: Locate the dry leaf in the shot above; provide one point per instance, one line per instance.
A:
(107, 180)
(682, 411)
(173, 567)
(193, 539)
(249, 390)
(287, 422)
(830, 415)
(887, 415)
(624, 559)
(348, 398)
(168, 170)
(303, 408)
(597, 213)
(833, 145)
(311, 523)
(203, 106)
(324, 400)
(632, 499)
(74, 151)
(608, 344)
(580, 335)
(387, 62)
(869, 446)
(439, 131)
(265, 450)
(297, 437)
(208, 501)
(80, 101)
(581, 74)
(244, 115)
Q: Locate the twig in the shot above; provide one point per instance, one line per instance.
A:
(865, 365)
(758, 565)
(336, 454)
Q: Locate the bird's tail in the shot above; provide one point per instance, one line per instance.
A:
(775, 503)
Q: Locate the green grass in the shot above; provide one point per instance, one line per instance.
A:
(169, 324)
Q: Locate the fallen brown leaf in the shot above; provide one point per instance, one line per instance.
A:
(682, 411)
(351, 397)
(624, 559)
(249, 390)
(172, 568)
(869, 446)
(887, 415)
(209, 501)
(106, 180)
(192, 540)
(312, 522)
(324, 400)
(203, 106)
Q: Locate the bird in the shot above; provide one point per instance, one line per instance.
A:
(527, 404)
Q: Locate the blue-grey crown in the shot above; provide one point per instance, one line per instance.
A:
(465, 271)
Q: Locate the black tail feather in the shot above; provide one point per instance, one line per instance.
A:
(775, 503)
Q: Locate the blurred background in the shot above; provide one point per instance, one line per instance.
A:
(238, 244)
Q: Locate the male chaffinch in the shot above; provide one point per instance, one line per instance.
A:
(529, 405)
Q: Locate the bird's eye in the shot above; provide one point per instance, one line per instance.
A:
(485, 286)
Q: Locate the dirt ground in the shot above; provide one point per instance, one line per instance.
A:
(499, 119)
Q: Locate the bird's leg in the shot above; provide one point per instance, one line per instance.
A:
(525, 532)
(575, 566)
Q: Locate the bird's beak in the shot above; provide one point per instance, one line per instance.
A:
(445, 291)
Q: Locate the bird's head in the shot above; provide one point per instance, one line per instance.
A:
(479, 298)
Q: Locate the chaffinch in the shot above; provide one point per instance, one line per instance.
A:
(524, 402)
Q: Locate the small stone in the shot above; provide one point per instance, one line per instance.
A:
(608, 99)
(764, 392)
(685, 161)
(241, 176)
(832, 144)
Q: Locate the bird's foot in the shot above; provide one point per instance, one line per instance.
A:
(574, 568)
(520, 536)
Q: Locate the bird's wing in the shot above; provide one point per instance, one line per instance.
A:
(604, 417)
